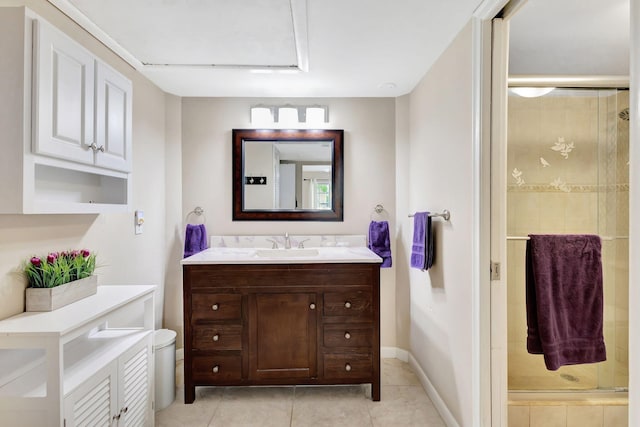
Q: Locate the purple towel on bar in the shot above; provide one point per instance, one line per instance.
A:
(422, 245)
(379, 241)
(564, 299)
(195, 239)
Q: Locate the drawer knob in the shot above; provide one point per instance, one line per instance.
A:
(347, 335)
(215, 307)
(215, 369)
(347, 304)
(216, 337)
(347, 367)
(312, 306)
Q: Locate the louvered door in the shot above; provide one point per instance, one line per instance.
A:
(135, 387)
(118, 395)
(93, 403)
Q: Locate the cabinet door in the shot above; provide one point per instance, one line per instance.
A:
(63, 83)
(135, 386)
(94, 402)
(113, 119)
(282, 336)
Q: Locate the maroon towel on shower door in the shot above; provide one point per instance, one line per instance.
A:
(564, 299)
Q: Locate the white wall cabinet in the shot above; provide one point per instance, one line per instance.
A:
(87, 364)
(65, 121)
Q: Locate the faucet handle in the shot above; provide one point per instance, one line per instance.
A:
(274, 245)
(301, 243)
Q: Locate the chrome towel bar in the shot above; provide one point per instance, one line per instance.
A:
(446, 215)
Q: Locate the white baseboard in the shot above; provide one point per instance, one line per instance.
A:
(394, 353)
(442, 408)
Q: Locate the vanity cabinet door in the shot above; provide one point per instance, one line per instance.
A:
(282, 336)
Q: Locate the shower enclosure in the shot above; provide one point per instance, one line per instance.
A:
(568, 157)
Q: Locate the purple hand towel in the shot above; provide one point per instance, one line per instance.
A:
(564, 299)
(379, 241)
(195, 239)
(422, 245)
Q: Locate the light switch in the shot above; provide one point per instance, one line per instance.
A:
(139, 222)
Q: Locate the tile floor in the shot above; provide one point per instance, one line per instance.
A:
(403, 403)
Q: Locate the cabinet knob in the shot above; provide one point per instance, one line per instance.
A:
(347, 367)
(347, 335)
(95, 148)
(125, 409)
(215, 307)
(347, 304)
(215, 369)
(312, 306)
(216, 337)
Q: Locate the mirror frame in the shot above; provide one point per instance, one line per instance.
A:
(337, 174)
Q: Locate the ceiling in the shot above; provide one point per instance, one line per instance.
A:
(283, 48)
(337, 48)
(577, 37)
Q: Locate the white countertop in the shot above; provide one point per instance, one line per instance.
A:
(70, 317)
(317, 255)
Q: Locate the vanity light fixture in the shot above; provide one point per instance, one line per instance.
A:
(289, 115)
(262, 115)
(316, 114)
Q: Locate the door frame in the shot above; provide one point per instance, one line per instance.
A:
(497, 307)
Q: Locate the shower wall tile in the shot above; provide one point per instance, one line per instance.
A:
(548, 416)
(585, 416)
(616, 416)
(580, 213)
(518, 416)
(553, 206)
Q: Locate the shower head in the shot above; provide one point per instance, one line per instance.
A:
(624, 114)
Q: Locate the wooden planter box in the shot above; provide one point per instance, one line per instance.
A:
(49, 299)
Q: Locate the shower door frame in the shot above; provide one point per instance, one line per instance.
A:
(500, 84)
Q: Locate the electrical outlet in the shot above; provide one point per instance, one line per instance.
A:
(139, 222)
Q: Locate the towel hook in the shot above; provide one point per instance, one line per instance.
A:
(378, 210)
(198, 211)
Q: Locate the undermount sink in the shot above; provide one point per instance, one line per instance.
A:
(286, 253)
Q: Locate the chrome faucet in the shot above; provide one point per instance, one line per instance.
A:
(287, 241)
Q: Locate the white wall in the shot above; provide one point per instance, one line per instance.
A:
(124, 258)
(439, 176)
(369, 172)
(259, 162)
(174, 244)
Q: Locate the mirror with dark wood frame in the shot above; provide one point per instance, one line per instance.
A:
(288, 174)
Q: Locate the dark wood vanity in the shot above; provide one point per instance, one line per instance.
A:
(281, 324)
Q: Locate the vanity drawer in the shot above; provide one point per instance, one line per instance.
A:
(216, 307)
(218, 368)
(345, 366)
(341, 335)
(354, 303)
(217, 337)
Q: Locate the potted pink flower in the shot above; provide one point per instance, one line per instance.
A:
(59, 279)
